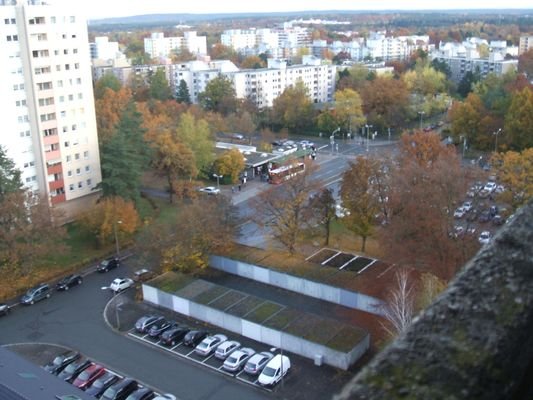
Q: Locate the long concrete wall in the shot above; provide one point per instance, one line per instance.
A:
(297, 284)
(255, 331)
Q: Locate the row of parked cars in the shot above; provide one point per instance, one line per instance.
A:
(98, 381)
(270, 369)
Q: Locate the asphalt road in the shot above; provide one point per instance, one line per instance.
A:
(74, 319)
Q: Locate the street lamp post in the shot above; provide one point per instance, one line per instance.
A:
(219, 177)
(367, 135)
(117, 248)
(273, 350)
(332, 138)
(421, 113)
(496, 139)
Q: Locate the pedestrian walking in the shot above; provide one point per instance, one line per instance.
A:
(239, 187)
(233, 189)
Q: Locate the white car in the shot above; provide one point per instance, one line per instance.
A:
(467, 206)
(306, 143)
(459, 213)
(166, 396)
(120, 284)
(275, 370)
(209, 344)
(490, 187)
(340, 211)
(210, 190)
(485, 237)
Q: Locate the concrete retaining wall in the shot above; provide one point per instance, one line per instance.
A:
(297, 284)
(255, 331)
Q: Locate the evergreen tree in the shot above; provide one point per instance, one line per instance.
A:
(182, 95)
(124, 157)
(9, 175)
(159, 87)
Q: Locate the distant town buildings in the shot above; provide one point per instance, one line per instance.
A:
(159, 46)
(467, 57)
(47, 103)
(103, 49)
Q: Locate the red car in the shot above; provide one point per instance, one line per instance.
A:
(88, 376)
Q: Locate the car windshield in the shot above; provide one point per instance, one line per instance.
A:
(71, 368)
(232, 360)
(58, 360)
(105, 262)
(99, 383)
(110, 393)
(202, 345)
(84, 375)
(269, 371)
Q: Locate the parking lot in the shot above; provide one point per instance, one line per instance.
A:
(210, 361)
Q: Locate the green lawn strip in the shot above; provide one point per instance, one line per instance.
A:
(264, 311)
(280, 320)
(194, 289)
(347, 338)
(244, 307)
(210, 295)
(313, 328)
(227, 300)
(171, 282)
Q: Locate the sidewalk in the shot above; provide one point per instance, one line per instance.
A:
(251, 189)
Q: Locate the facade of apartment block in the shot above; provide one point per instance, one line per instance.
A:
(47, 103)
(159, 46)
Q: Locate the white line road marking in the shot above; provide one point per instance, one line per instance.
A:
(332, 182)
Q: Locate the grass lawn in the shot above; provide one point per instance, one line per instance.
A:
(347, 338)
(227, 300)
(210, 294)
(171, 282)
(262, 312)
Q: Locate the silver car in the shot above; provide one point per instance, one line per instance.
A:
(258, 361)
(237, 359)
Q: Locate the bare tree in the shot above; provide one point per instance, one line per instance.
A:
(399, 307)
(282, 209)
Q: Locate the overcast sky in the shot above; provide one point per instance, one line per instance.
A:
(118, 8)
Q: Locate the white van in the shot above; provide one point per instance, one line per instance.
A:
(274, 370)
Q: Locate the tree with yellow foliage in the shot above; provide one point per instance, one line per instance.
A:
(230, 164)
(110, 214)
(515, 172)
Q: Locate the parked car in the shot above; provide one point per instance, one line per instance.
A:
(275, 370)
(143, 275)
(306, 143)
(459, 212)
(257, 362)
(60, 362)
(161, 326)
(471, 231)
(4, 309)
(490, 187)
(36, 293)
(467, 206)
(340, 211)
(100, 385)
(211, 190)
(484, 193)
(485, 237)
(458, 231)
(493, 210)
(209, 344)
(194, 337)
(121, 284)
(73, 369)
(120, 390)
(166, 396)
(498, 220)
(143, 324)
(236, 360)
(141, 394)
(225, 349)
(108, 264)
(172, 336)
(472, 215)
(484, 216)
(499, 189)
(69, 281)
(88, 376)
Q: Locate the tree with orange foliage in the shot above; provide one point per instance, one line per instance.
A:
(110, 214)
(426, 185)
(109, 109)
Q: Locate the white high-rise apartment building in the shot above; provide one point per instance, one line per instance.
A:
(159, 46)
(46, 102)
(526, 43)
